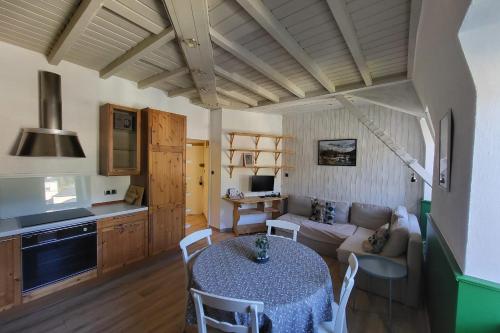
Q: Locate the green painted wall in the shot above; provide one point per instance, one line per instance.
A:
(425, 208)
(456, 302)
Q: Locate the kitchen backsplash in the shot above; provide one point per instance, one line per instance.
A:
(33, 195)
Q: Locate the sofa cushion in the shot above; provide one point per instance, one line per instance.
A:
(370, 216)
(341, 212)
(299, 205)
(321, 232)
(376, 242)
(354, 244)
(399, 212)
(398, 238)
(318, 210)
(329, 213)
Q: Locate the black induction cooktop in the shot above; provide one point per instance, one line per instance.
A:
(51, 217)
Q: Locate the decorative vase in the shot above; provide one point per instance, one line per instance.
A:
(262, 245)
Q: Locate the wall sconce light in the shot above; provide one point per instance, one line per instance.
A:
(413, 179)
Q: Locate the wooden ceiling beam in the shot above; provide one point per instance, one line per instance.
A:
(416, 6)
(253, 61)
(247, 84)
(73, 30)
(181, 92)
(163, 76)
(149, 44)
(237, 96)
(133, 16)
(190, 21)
(260, 13)
(346, 26)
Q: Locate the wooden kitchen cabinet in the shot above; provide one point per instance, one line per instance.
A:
(10, 272)
(122, 240)
(119, 141)
(164, 177)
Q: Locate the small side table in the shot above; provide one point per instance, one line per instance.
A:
(383, 268)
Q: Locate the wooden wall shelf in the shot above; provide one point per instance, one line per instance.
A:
(256, 168)
(277, 152)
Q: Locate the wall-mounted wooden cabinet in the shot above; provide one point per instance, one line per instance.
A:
(119, 142)
(122, 240)
(10, 272)
(164, 177)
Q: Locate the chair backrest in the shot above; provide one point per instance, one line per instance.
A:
(345, 292)
(282, 225)
(189, 240)
(252, 308)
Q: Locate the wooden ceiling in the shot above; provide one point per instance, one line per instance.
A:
(222, 53)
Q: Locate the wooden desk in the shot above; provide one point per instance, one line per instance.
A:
(275, 211)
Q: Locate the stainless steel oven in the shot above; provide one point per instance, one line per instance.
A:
(54, 255)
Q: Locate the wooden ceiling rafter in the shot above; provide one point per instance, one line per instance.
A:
(265, 18)
(124, 8)
(181, 91)
(247, 84)
(190, 21)
(241, 53)
(348, 31)
(74, 29)
(237, 96)
(147, 45)
(163, 76)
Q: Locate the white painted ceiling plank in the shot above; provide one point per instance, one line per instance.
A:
(253, 61)
(386, 139)
(163, 76)
(266, 19)
(147, 45)
(190, 21)
(245, 83)
(75, 27)
(346, 26)
(237, 96)
(133, 16)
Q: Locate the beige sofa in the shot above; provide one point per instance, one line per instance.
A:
(354, 225)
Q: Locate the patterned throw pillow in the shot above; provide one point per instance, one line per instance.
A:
(318, 210)
(378, 239)
(329, 215)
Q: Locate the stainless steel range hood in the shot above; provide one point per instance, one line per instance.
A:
(49, 139)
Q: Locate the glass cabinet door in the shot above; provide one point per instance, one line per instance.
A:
(120, 140)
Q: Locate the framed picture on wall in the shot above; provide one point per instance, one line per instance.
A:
(337, 152)
(445, 140)
(248, 159)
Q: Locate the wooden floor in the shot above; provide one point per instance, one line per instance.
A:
(152, 299)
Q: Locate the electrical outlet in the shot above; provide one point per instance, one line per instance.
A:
(107, 192)
(113, 191)
(286, 174)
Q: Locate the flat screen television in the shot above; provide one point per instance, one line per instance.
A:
(261, 183)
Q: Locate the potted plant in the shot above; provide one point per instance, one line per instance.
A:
(262, 244)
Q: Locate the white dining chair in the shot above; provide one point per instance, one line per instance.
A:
(253, 308)
(189, 240)
(282, 225)
(339, 320)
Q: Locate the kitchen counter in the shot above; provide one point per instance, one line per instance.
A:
(12, 227)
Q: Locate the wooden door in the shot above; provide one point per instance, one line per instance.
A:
(167, 184)
(10, 273)
(122, 244)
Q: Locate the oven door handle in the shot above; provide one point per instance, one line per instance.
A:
(59, 240)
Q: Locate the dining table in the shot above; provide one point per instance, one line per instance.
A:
(294, 284)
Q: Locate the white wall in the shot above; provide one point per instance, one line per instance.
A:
(82, 93)
(443, 82)
(379, 176)
(481, 44)
(244, 121)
